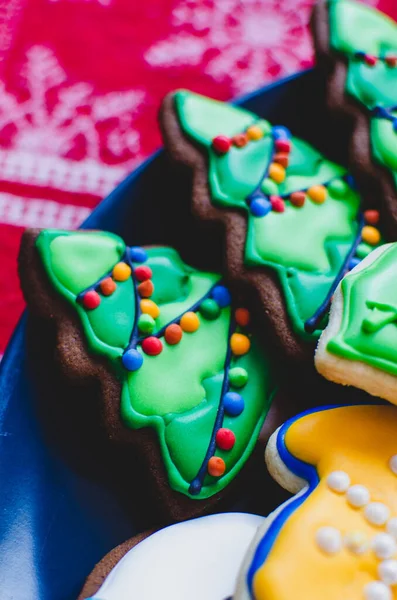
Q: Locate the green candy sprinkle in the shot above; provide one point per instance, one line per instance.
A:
(238, 377)
(363, 250)
(269, 187)
(210, 309)
(338, 188)
(146, 324)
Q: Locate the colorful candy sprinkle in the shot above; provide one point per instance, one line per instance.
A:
(107, 286)
(317, 193)
(150, 308)
(143, 273)
(146, 323)
(254, 132)
(240, 140)
(282, 145)
(216, 466)
(370, 235)
(132, 359)
(240, 344)
(371, 217)
(277, 203)
(281, 133)
(260, 207)
(225, 438)
(238, 377)
(138, 254)
(173, 334)
(146, 288)
(190, 322)
(233, 404)
(269, 187)
(338, 188)
(221, 295)
(221, 144)
(121, 271)
(210, 309)
(282, 159)
(297, 199)
(91, 300)
(277, 172)
(242, 317)
(152, 346)
(391, 61)
(370, 60)
(353, 263)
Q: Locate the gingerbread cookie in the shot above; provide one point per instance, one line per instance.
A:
(196, 559)
(358, 347)
(357, 46)
(291, 217)
(337, 537)
(182, 376)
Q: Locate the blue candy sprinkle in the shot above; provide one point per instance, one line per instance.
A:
(281, 133)
(195, 487)
(132, 360)
(233, 404)
(138, 254)
(221, 295)
(260, 207)
(351, 182)
(353, 263)
(395, 125)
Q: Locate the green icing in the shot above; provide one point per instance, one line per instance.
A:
(355, 27)
(306, 246)
(368, 332)
(177, 392)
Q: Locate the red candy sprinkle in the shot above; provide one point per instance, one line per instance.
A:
(152, 346)
(391, 61)
(371, 216)
(143, 273)
(277, 204)
(298, 199)
(370, 60)
(242, 317)
(146, 289)
(221, 144)
(240, 140)
(282, 159)
(173, 334)
(107, 286)
(282, 145)
(225, 439)
(91, 300)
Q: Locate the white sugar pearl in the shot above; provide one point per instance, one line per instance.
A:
(329, 540)
(376, 513)
(356, 542)
(338, 481)
(391, 527)
(384, 545)
(388, 571)
(393, 464)
(357, 496)
(376, 590)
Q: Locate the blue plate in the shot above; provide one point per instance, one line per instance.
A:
(56, 523)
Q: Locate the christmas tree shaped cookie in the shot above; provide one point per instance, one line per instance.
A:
(178, 349)
(337, 537)
(359, 45)
(358, 347)
(292, 218)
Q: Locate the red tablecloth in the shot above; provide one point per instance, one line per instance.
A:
(80, 84)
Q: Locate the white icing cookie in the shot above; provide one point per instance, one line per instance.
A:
(195, 560)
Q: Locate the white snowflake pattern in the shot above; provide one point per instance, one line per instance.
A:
(242, 42)
(66, 135)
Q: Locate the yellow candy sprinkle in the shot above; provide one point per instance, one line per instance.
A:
(240, 344)
(277, 172)
(190, 322)
(370, 235)
(317, 193)
(121, 272)
(148, 307)
(254, 132)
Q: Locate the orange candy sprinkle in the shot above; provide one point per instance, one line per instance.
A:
(173, 334)
(254, 132)
(242, 317)
(371, 217)
(277, 172)
(121, 271)
(240, 344)
(370, 235)
(146, 288)
(216, 466)
(107, 286)
(317, 193)
(190, 322)
(148, 307)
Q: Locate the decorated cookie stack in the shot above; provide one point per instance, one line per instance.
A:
(180, 360)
